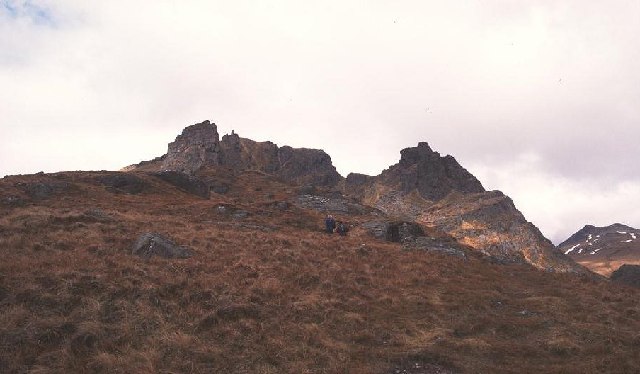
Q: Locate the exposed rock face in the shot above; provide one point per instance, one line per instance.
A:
(432, 176)
(199, 146)
(420, 178)
(627, 274)
(604, 249)
(423, 186)
(490, 222)
(152, 244)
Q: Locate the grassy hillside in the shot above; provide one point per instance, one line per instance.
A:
(268, 292)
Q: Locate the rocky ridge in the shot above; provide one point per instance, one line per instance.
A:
(424, 187)
(199, 147)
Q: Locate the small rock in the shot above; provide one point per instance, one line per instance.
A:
(240, 214)
(153, 244)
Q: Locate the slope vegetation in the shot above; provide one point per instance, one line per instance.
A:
(266, 291)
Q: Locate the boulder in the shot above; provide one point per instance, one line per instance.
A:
(153, 244)
(123, 183)
(185, 182)
(44, 189)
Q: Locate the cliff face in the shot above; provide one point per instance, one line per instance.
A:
(490, 222)
(431, 175)
(199, 147)
(196, 147)
(438, 192)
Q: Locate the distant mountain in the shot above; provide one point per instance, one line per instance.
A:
(604, 249)
(423, 187)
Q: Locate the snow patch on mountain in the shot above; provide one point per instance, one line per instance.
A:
(571, 249)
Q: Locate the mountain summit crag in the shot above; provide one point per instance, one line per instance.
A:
(423, 187)
(200, 147)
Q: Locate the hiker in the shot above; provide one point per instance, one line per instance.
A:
(342, 229)
(330, 224)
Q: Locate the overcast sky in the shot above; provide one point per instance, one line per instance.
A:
(539, 99)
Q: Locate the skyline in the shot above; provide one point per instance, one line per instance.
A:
(540, 100)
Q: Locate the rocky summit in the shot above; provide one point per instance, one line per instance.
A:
(604, 249)
(423, 187)
(199, 148)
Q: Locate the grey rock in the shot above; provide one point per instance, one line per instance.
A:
(307, 190)
(187, 183)
(394, 231)
(240, 214)
(45, 189)
(378, 229)
(432, 245)
(97, 215)
(331, 204)
(425, 171)
(13, 201)
(219, 188)
(153, 244)
(199, 146)
(123, 183)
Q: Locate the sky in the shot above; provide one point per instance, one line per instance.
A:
(539, 99)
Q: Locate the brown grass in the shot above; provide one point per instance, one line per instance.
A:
(289, 300)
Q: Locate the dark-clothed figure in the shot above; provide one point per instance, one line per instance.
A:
(342, 229)
(330, 224)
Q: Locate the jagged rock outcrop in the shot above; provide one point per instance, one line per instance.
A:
(199, 147)
(490, 223)
(423, 187)
(420, 178)
(431, 175)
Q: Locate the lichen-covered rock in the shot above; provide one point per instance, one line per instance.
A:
(153, 244)
(490, 223)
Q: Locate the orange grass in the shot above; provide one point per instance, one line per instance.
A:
(271, 293)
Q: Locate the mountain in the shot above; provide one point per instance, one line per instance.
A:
(603, 249)
(424, 187)
(143, 272)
